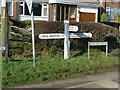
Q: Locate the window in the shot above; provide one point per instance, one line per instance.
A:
(21, 8)
(72, 15)
(45, 10)
(38, 9)
(10, 8)
(26, 10)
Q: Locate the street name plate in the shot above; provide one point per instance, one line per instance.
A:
(2, 47)
(52, 36)
(73, 28)
(97, 43)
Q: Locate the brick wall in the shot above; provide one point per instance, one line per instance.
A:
(15, 10)
(111, 4)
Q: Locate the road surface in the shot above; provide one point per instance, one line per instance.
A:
(106, 80)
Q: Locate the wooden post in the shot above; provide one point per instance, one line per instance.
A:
(64, 12)
(75, 13)
(56, 12)
(69, 13)
(60, 13)
(2, 34)
(5, 28)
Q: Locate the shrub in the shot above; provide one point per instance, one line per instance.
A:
(117, 19)
(103, 17)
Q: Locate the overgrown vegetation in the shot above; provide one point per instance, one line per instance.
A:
(101, 32)
(20, 71)
(117, 19)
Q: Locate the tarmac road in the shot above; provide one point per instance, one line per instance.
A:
(106, 80)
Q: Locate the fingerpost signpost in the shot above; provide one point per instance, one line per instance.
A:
(66, 36)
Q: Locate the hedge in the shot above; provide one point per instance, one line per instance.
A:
(100, 32)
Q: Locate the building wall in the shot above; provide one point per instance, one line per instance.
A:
(15, 10)
(111, 4)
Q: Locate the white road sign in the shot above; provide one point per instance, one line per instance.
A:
(62, 36)
(97, 43)
(52, 36)
(73, 28)
(2, 47)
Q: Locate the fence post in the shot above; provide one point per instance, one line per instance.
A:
(66, 40)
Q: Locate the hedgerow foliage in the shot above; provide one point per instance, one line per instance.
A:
(99, 31)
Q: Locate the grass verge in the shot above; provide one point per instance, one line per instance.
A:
(20, 71)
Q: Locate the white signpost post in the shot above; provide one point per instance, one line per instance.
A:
(66, 36)
(29, 4)
(97, 44)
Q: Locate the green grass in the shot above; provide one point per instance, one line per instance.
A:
(20, 71)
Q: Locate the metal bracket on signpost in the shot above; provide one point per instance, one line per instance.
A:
(66, 40)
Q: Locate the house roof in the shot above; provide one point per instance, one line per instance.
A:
(85, 1)
(40, 0)
(78, 1)
(82, 4)
(74, 2)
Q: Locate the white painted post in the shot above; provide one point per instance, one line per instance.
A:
(33, 39)
(106, 49)
(66, 40)
(29, 4)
